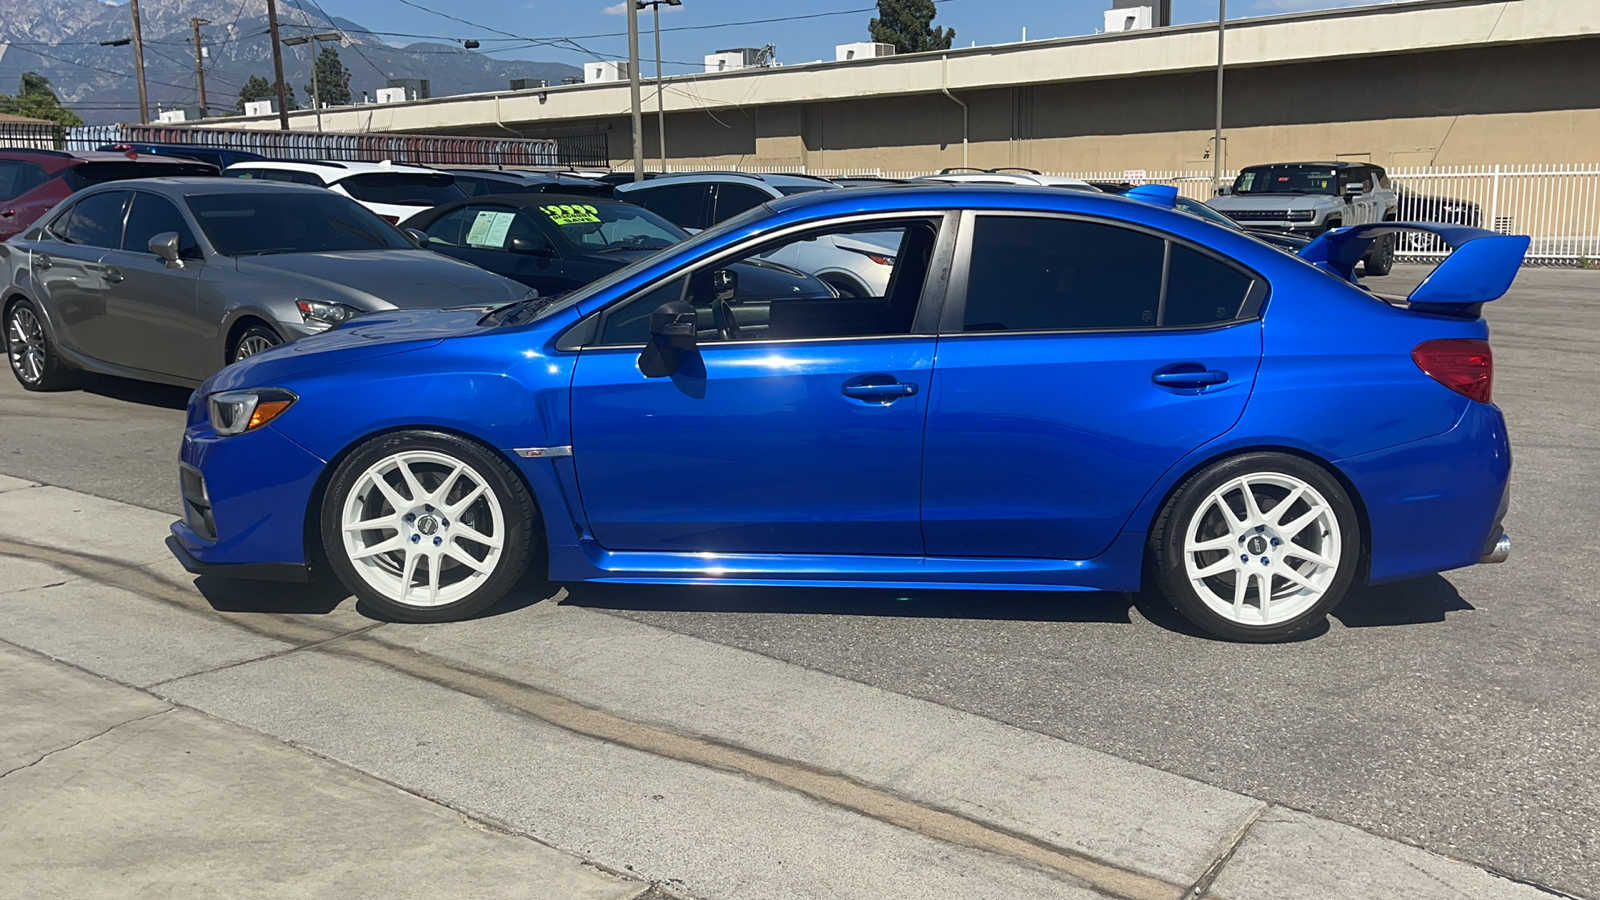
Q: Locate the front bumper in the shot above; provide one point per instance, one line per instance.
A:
(245, 501)
(1305, 229)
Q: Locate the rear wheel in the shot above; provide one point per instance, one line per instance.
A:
(427, 527)
(1380, 259)
(1257, 548)
(33, 356)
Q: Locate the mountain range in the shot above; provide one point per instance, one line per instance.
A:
(60, 39)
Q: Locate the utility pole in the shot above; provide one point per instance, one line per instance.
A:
(277, 64)
(633, 90)
(661, 102)
(138, 64)
(1216, 140)
(199, 61)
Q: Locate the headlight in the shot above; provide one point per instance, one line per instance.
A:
(319, 312)
(1301, 215)
(235, 412)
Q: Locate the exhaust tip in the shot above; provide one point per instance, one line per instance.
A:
(1500, 552)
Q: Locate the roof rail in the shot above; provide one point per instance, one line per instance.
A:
(1013, 170)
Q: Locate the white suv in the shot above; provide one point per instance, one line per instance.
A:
(854, 265)
(394, 192)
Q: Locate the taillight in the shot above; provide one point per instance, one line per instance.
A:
(1464, 365)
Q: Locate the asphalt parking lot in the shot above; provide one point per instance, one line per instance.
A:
(1456, 712)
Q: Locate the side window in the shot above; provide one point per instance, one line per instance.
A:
(1038, 274)
(447, 229)
(18, 178)
(152, 215)
(1381, 177)
(500, 228)
(733, 199)
(683, 205)
(1202, 290)
(96, 220)
(856, 281)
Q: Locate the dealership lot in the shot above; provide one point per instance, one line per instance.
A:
(1456, 713)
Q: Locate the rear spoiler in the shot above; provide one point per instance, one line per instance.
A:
(1480, 268)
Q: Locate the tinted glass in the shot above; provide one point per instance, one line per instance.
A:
(1202, 290)
(287, 175)
(478, 185)
(861, 281)
(403, 188)
(18, 178)
(497, 227)
(81, 176)
(1037, 274)
(150, 216)
(681, 204)
(95, 221)
(608, 227)
(733, 199)
(1287, 179)
(291, 221)
(447, 229)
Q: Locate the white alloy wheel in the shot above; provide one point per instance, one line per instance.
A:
(26, 343)
(423, 529)
(1262, 549)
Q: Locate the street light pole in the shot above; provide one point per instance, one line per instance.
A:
(138, 63)
(1216, 139)
(633, 91)
(661, 102)
(312, 39)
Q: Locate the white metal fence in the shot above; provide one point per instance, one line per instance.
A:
(1558, 206)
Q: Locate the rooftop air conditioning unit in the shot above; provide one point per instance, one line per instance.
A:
(261, 108)
(172, 115)
(528, 84)
(391, 95)
(1136, 15)
(415, 88)
(862, 50)
(738, 58)
(605, 70)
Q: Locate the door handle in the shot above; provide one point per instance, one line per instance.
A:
(113, 276)
(42, 260)
(1189, 378)
(8, 214)
(883, 392)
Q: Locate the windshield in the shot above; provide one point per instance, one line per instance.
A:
(403, 188)
(542, 309)
(291, 221)
(606, 227)
(1196, 208)
(18, 178)
(1286, 180)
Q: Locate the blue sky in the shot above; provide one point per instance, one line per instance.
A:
(983, 21)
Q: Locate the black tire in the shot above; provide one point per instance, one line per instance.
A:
(518, 518)
(1192, 499)
(34, 358)
(252, 340)
(1379, 260)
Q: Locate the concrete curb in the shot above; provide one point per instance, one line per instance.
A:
(611, 705)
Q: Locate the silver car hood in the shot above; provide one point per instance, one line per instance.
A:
(1272, 202)
(385, 279)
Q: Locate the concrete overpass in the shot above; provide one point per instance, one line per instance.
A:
(1417, 82)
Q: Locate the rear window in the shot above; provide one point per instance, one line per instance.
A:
(292, 176)
(81, 176)
(403, 188)
(18, 178)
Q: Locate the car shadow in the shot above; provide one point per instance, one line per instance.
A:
(145, 393)
(1418, 601)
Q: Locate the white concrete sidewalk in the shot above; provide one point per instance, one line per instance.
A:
(709, 771)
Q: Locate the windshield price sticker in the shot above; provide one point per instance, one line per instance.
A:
(576, 214)
(489, 229)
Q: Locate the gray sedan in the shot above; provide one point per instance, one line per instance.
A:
(169, 279)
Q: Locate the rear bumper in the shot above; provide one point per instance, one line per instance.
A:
(1436, 504)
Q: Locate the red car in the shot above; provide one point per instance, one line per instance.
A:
(33, 181)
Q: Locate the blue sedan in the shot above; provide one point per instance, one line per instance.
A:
(1054, 390)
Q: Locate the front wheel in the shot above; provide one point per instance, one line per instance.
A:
(34, 358)
(427, 527)
(1257, 548)
(255, 339)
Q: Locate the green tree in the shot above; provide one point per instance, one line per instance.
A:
(908, 25)
(333, 79)
(258, 88)
(37, 100)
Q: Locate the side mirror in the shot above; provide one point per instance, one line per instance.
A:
(724, 284)
(530, 248)
(1352, 191)
(417, 236)
(1224, 190)
(673, 329)
(165, 245)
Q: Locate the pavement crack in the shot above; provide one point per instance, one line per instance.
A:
(82, 741)
(314, 645)
(1213, 871)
